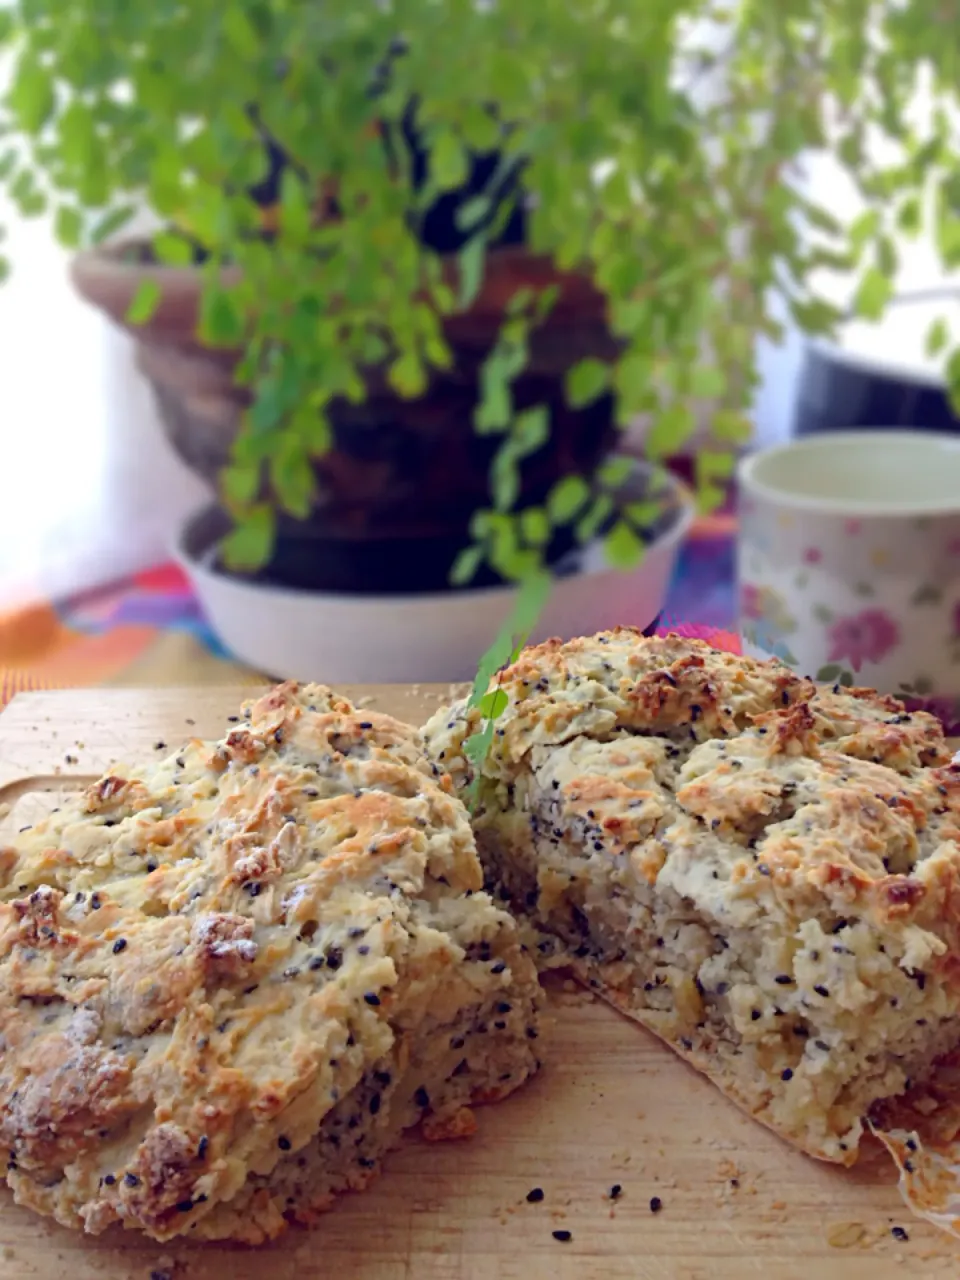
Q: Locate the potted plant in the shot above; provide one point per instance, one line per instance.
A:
(419, 262)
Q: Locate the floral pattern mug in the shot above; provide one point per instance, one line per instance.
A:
(849, 562)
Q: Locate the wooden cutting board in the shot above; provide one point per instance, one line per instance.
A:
(611, 1106)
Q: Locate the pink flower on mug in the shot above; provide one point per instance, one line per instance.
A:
(865, 637)
(956, 621)
(813, 555)
(852, 527)
(751, 601)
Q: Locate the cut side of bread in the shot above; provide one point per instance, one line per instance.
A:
(232, 978)
(761, 871)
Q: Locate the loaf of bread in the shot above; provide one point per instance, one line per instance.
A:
(763, 872)
(230, 979)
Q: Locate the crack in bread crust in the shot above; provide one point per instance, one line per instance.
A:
(210, 964)
(761, 870)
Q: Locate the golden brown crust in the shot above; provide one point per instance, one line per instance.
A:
(690, 828)
(203, 960)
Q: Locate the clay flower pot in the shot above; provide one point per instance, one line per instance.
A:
(396, 492)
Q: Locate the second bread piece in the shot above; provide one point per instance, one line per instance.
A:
(762, 872)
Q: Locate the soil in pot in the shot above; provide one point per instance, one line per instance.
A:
(407, 562)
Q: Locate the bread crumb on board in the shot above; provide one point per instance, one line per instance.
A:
(844, 1235)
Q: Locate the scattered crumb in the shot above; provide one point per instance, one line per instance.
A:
(563, 1236)
(4, 810)
(68, 759)
(9, 1251)
(843, 1235)
(365, 701)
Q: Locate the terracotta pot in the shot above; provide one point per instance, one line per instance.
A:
(397, 468)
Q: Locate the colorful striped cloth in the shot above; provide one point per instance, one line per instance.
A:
(149, 629)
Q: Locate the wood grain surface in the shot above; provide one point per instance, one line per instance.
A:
(611, 1106)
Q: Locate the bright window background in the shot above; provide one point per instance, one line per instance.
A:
(91, 491)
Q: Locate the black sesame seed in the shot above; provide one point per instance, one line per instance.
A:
(656, 1204)
(503, 1007)
(184, 1206)
(822, 1045)
(363, 949)
(366, 724)
(119, 945)
(372, 998)
(899, 1233)
(783, 980)
(615, 1191)
(500, 1025)
(159, 746)
(334, 958)
(131, 1180)
(535, 1196)
(498, 967)
(374, 1104)
(317, 962)
(95, 902)
(821, 990)
(786, 1073)
(283, 1143)
(563, 1236)
(253, 887)
(202, 1147)
(755, 1015)
(421, 1097)
(110, 1179)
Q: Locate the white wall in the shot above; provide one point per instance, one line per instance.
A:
(91, 491)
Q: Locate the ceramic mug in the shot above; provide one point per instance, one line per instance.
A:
(849, 562)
